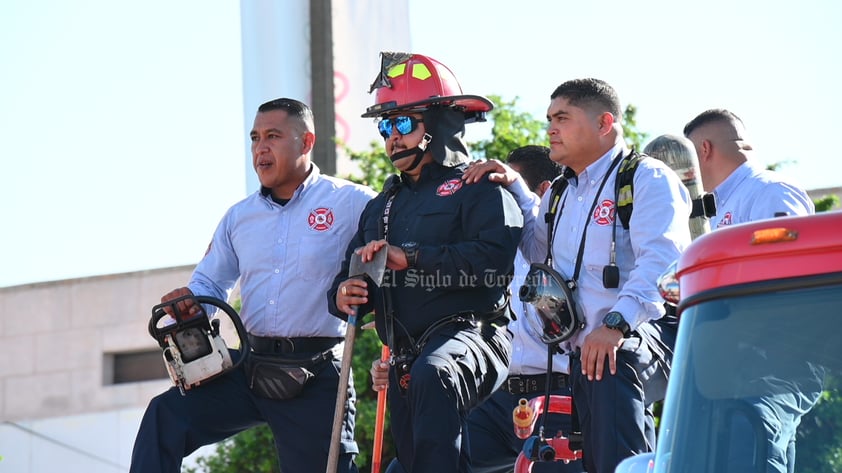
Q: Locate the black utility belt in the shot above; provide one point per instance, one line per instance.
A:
(280, 345)
(534, 383)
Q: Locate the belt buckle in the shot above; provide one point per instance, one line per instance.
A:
(284, 345)
(519, 388)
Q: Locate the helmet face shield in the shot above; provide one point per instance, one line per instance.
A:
(551, 295)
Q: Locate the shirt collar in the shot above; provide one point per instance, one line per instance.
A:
(308, 181)
(598, 168)
(430, 172)
(727, 187)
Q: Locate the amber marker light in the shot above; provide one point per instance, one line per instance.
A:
(773, 235)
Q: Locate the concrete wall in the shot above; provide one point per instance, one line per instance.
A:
(54, 338)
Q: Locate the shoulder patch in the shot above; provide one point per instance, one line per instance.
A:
(449, 187)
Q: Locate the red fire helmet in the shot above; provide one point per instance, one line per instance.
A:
(413, 82)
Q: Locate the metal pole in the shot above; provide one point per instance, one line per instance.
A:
(321, 74)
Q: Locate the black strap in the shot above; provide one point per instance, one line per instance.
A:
(624, 198)
(393, 185)
(391, 188)
(555, 198)
(558, 188)
(704, 206)
(284, 345)
(581, 252)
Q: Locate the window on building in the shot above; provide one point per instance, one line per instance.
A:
(131, 367)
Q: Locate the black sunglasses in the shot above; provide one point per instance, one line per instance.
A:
(404, 124)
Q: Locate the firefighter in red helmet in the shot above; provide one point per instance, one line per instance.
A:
(444, 304)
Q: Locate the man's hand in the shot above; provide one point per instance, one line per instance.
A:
(496, 170)
(351, 293)
(379, 375)
(602, 342)
(395, 256)
(186, 308)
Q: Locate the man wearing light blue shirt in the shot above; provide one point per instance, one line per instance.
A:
(284, 244)
(617, 366)
(744, 191)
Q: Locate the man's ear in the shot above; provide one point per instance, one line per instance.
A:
(542, 187)
(308, 140)
(606, 122)
(706, 149)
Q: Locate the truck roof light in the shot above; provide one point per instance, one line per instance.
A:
(773, 235)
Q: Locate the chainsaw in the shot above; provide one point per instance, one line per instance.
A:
(194, 350)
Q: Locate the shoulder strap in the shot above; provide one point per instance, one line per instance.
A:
(625, 187)
(558, 187)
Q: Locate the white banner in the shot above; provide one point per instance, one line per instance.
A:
(276, 62)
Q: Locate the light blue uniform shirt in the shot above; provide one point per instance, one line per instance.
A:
(529, 353)
(752, 193)
(658, 233)
(285, 257)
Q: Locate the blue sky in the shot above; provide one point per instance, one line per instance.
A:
(121, 124)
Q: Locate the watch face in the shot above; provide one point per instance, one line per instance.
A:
(613, 319)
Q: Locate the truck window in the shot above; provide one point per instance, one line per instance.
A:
(753, 365)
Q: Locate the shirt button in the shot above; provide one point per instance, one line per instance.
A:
(579, 198)
(271, 302)
(280, 240)
(277, 271)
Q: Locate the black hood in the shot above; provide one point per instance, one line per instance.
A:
(447, 127)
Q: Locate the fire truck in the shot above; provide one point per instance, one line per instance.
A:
(760, 307)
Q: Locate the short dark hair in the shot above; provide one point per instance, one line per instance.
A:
(587, 93)
(535, 164)
(710, 116)
(294, 108)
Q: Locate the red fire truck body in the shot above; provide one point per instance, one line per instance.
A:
(761, 312)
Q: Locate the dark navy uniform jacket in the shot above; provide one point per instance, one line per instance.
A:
(467, 236)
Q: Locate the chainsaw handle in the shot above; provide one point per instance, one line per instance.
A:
(158, 313)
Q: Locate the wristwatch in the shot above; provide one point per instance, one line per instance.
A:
(614, 320)
(410, 248)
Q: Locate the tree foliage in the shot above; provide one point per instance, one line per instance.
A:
(826, 203)
(510, 129)
(634, 137)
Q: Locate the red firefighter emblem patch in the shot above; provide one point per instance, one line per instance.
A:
(726, 220)
(449, 188)
(404, 381)
(320, 219)
(603, 214)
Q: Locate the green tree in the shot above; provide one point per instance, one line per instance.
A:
(826, 203)
(510, 129)
(819, 437)
(634, 137)
(252, 450)
(374, 165)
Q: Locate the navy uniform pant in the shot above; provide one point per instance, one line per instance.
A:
(459, 367)
(174, 425)
(615, 412)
